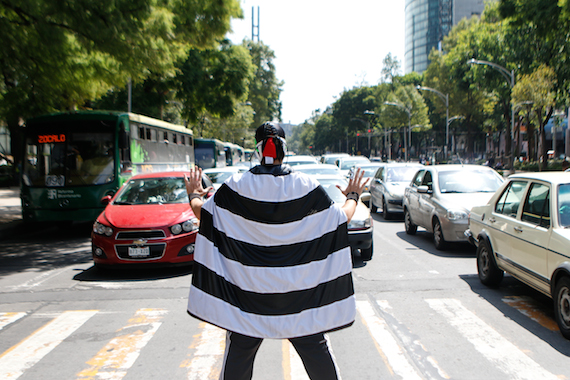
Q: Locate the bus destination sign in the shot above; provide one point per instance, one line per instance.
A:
(46, 139)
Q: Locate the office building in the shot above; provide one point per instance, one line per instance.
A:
(427, 22)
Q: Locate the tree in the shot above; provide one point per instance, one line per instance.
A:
(449, 74)
(214, 81)
(538, 88)
(264, 88)
(390, 68)
(57, 54)
(538, 34)
(411, 110)
(234, 129)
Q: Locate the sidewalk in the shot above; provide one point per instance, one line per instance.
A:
(10, 211)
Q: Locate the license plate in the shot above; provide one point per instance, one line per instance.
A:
(139, 252)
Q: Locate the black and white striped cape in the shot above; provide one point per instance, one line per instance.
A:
(272, 258)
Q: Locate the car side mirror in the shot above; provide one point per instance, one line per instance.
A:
(365, 197)
(424, 189)
(106, 199)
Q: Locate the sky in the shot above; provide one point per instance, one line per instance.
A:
(323, 48)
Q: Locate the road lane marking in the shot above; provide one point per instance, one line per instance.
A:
(293, 368)
(391, 352)
(7, 318)
(530, 308)
(505, 355)
(24, 355)
(208, 351)
(425, 363)
(113, 360)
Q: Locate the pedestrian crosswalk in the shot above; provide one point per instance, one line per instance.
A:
(96, 349)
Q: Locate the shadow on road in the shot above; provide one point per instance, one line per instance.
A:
(536, 305)
(47, 247)
(133, 274)
(424, 240)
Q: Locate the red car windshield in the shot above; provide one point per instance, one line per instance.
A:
(152, 191)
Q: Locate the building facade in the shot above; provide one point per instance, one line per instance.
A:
(427, 22)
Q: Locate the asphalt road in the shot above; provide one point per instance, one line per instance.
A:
(422, 314)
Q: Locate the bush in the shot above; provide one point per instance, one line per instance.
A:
(532, 166)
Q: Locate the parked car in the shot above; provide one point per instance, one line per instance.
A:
(331, 158)
(524, 230)
(440, 197)
(300, 160)
(148, 221)
(312, 169)
(345, 163)
(360, 228)
(219, 175)
(388, 185)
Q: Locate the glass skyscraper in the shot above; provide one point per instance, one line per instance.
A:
(427, 22)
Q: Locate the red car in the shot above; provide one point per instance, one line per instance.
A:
(148, 221)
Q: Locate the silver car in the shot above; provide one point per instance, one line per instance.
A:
(388, 185)
(360, 228)
(440, 197)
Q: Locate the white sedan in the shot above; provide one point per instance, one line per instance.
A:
(524, 230)
(219, 175)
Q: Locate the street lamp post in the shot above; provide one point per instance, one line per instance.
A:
(510, 77)
(516, 107)
(445, 98)
(409, 125)
(357, 133)
(386, 147)
(450, 120)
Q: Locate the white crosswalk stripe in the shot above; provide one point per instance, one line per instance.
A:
(113, 360)
(19, 358)
(399, 349)
(489, 342)
(7, 318)
(207, 351)
(387, 346)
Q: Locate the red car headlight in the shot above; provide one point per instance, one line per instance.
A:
(187, 226)
(101, 229)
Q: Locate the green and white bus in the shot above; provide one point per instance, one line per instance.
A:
(73, 159)
(234, 154)
(210, 153)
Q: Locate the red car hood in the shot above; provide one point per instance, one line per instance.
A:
(147, 216)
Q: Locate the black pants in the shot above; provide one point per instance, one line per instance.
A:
(313, 350)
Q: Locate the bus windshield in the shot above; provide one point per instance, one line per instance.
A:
(67, 155)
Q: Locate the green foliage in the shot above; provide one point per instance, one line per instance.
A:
(264, 88)
(56, 55)
(390, 69)
(214, 81)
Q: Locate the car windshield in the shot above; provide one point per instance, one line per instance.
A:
(564, 205)
(347, 164)
(219, 177)
(369, 171)
(325, 170)
(153, 190)
(400, 174)
(330, 187)
(468, 181)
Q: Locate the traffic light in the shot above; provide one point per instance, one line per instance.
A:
(370, 130)
(357, 134)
